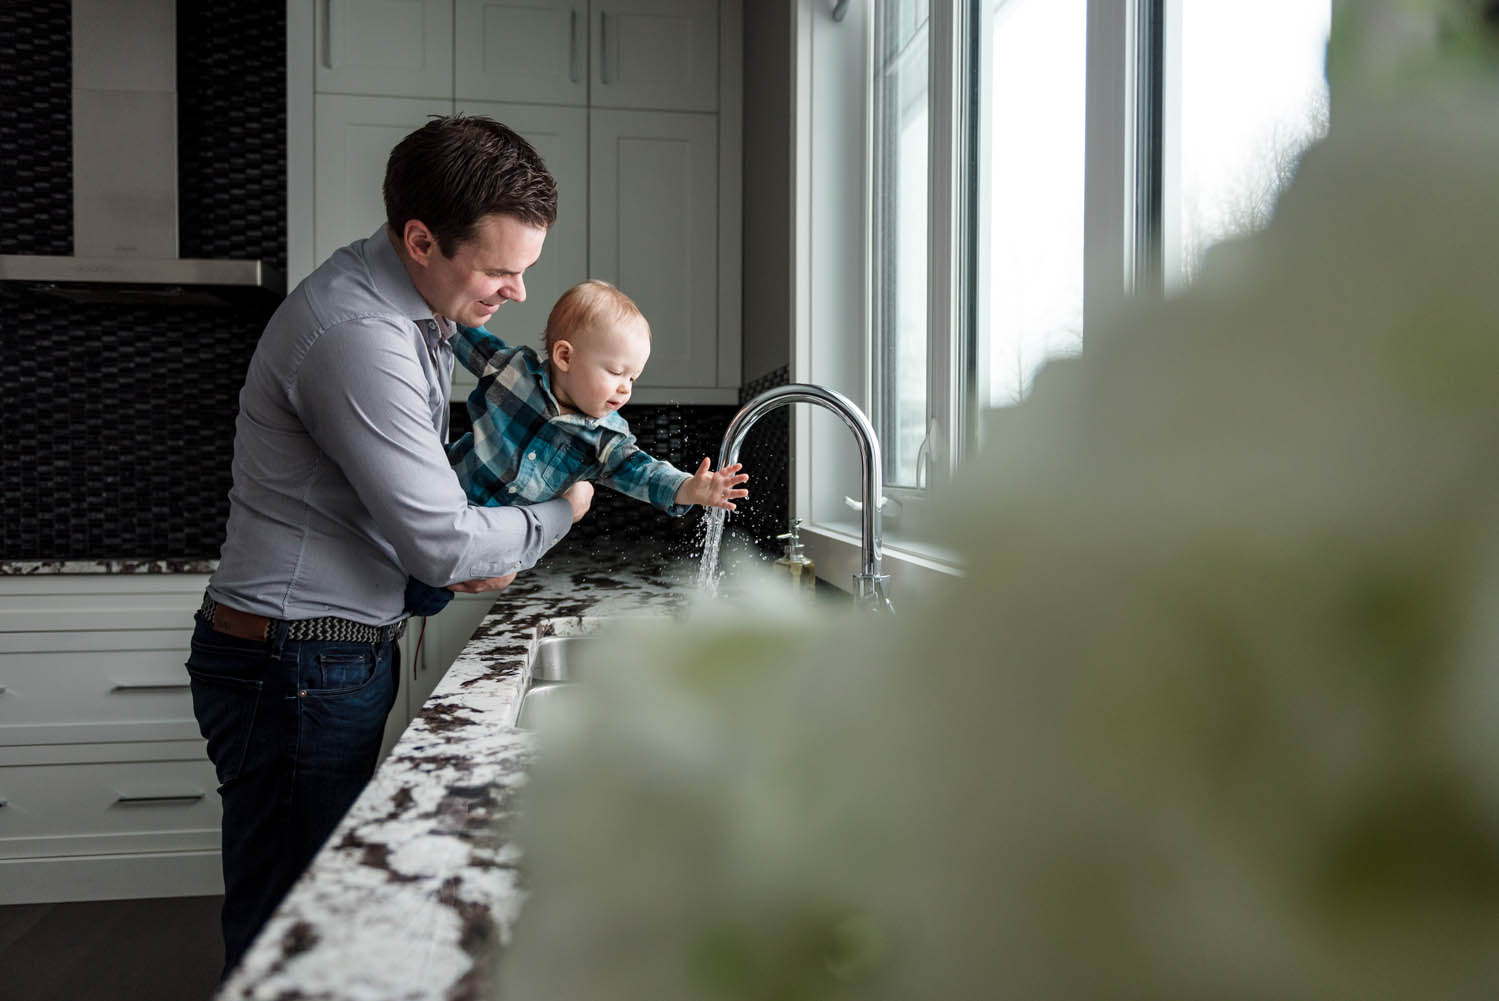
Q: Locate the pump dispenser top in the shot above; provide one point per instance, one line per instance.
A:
(796, 563)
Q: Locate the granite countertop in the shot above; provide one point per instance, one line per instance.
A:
(26, 568)
(418, 885)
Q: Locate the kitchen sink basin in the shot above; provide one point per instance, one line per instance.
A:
(558, 664)
(540, 698)
(560, 658)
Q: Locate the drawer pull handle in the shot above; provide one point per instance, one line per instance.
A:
(603, 47)
(328, 58)
(150, 686)
(572, 47)
(185, 797)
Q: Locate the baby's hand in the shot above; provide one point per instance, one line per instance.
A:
(712, 489)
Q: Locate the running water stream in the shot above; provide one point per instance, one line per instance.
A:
(708, 573)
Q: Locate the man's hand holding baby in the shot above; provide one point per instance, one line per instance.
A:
(712, 489)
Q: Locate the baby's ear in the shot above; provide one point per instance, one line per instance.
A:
(562, 355)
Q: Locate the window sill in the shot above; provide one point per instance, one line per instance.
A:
(912, 568)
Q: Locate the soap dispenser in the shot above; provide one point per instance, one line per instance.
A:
(796, 563)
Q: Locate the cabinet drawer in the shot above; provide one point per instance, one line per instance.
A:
(105, 605)
(54, 689)
(55, 806)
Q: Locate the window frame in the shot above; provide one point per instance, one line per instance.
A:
(832, 254)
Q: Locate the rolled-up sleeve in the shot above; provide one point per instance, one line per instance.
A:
(364, 401)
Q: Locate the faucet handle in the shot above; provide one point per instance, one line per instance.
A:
(889, 508)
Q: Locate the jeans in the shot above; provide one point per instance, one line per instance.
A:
(293, 728)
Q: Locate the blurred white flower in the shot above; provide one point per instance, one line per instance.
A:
(1215, 714)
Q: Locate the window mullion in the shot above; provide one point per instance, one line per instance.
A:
(946, 234)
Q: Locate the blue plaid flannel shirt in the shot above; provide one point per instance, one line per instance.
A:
(524, 449)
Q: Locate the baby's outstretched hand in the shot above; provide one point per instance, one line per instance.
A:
(712, 489)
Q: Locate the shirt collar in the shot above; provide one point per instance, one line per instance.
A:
(395, 283)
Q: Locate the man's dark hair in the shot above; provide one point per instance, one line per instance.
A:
(456, 169)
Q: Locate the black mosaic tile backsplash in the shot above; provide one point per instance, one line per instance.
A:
(118, 421)
(231, 141)
(683, 435)
(36, 131)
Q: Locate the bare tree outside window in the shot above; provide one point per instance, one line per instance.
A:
(1249, 194)
(1244, 99)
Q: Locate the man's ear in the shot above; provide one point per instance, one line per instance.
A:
(562, 355)
(419, 242)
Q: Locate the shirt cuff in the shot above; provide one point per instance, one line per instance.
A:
(664, 486)
(556, 517)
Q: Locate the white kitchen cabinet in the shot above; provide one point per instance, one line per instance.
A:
(384, 47)
(646, 91)
(521, 51)
(106, 790)
(660, 54)
(105, 785)
(354, 138)
(109, 799)
(657, 54)
(653, 187)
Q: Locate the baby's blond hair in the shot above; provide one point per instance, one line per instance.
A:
(588, 305)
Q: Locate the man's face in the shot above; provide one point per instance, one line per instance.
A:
(483, 273)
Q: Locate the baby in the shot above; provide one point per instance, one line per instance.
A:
(540, 426)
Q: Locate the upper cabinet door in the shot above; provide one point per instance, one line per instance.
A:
(354, 138)
(653, 231)
(400, 48)
(527, 51)
(657, 54)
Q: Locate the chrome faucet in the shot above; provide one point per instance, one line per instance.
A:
(871, 587)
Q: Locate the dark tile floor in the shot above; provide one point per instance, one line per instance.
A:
(111, 950)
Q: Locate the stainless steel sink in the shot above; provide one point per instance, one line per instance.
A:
(558, 664)
(540, 698)
(558, 658)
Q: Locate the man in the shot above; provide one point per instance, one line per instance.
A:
(341, 489)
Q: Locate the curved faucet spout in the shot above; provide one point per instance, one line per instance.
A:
(871, 586)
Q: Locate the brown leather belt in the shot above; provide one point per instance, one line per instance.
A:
(249, 626)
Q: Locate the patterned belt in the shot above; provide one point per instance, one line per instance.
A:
(247, 625)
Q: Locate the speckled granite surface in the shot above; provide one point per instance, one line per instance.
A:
(22, 568)
(418, 885)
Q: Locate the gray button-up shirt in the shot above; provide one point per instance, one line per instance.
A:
(341, 486)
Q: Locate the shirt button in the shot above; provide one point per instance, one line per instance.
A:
(531, 456)
(513, 488)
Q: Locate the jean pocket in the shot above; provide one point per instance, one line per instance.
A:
(342, 723)
(226, 707)
(341, 672)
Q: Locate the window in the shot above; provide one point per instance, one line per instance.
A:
(976, 178)
(1242, 99)
(900, 235)
(1029, 184)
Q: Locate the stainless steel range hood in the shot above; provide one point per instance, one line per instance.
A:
(125, 175)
